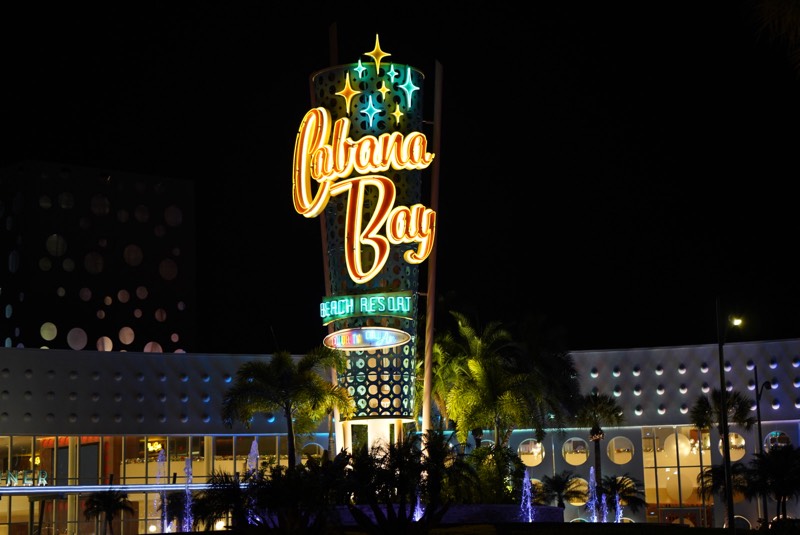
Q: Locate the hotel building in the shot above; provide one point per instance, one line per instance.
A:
(100, 384)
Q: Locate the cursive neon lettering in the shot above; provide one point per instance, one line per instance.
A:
(324, 153)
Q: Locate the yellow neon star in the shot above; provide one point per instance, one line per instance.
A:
(377, 54)
(347, 93)
(383, 89)
(397, 114)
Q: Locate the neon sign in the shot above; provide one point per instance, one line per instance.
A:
(328, 162)
(366, 338)
(26, 478)
(339, 307)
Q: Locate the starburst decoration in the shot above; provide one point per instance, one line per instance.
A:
(377, 54)
(360, 69)
(370, 111)
(408, 86)
(397, 114)
(393, 74)
(347, 93)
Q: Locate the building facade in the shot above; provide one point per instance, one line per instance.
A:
(658, 445)
(77, 421)
(100, 383)
(96, 259)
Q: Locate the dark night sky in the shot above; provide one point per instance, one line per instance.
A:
(614, 168)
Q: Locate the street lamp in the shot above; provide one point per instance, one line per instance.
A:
(759, 390)
(723, 416)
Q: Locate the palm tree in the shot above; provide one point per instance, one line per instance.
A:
(711, 481)
(301, 500)
(294, 388)
(778, 21)
(777, 473)
(106, 504)
(487, 395)
(386, 479)
(706, 413)
(562, 488)
(391, 481)
(230, 495)
(596, 410)
(624, 488)
(449, 478)
(486, 392)
(442, 375)
(553, 385)
(500, 474)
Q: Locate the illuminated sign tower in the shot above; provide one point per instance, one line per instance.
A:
(358, 163)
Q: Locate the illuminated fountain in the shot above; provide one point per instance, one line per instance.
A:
(252, 457)
(526, 508)
(187, 504)
(418, 509)
(603, 509)
(591, 503)
(161, 497)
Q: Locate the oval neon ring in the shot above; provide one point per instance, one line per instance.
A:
(357, 338)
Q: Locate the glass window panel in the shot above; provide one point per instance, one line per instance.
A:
(178, 448)
(648, 447)
(179, 451)
(690, 486)
(44, 460)
(21, 453)
(650, 486)
(156, 458)
(89, 460)
(223, 455)
(133, 463)
(111, 456)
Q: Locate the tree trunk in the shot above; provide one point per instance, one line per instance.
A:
(477, 435)
(292, 457)
(331, 438)
(598, 470)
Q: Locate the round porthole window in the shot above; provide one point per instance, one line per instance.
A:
(776, 439)
(575, 451)
(579, 498)
(620, 450)
(531, 452)
(737, 446)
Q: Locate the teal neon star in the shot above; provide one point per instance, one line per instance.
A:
(408, 86)
(370, 111)
(393, 73)
(360, 69)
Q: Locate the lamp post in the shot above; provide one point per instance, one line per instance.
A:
(759, 390)
(723, 414)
